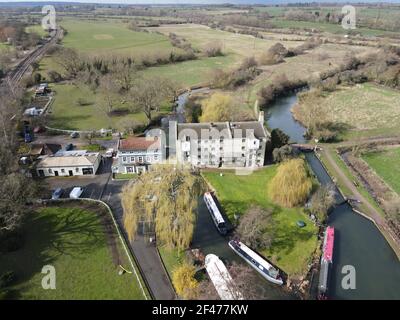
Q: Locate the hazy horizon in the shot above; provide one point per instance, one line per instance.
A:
(155, 2)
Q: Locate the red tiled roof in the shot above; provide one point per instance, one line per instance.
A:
(139, 143)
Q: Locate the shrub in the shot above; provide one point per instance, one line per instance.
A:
(184, 281)
(213, 50)
(284, 153)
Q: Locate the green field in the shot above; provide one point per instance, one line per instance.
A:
(192, 72)
(387, 165)
(171, 258)
(292, 246)
(67, 114)
(112, 38)
(73, 240)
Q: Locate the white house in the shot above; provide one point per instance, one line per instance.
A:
(136, 154)
(68, 163)
(221, 144)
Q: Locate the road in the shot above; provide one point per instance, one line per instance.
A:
(102, 187)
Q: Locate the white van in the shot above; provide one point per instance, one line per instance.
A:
(76, 193)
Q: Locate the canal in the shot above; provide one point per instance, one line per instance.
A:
(358, 242)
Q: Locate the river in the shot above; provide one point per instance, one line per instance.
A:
(358, 242)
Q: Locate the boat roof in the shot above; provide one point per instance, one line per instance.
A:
(214, 207)
(329, 240)
(221, 278)
(257, 257)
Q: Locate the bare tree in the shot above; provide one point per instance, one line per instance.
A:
(149, 94)
(108, 94)
(69, 60)
(255, 228)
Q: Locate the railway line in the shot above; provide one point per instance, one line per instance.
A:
(15, 76)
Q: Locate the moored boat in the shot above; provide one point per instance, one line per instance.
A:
(326, 262)
(262, 266)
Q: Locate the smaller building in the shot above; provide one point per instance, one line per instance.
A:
(41, 149)
(68, 163)
(136, 154)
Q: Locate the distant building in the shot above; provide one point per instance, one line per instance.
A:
(68, 163)
(136, 154)
(221, 144)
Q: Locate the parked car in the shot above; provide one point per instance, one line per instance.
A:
(57, 194)
(74, 135)
(69, 147)
(76, 193)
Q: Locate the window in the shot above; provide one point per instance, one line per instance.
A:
(129, 170)
(76, 169)
(243, 140)
(140, 159)
(123, 159)
(62, 170)
(132, 159)
(155, 157)
(148, 158)
(50, 171)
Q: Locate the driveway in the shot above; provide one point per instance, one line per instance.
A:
(145, 253)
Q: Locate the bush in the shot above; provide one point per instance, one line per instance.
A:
(284, 153)
(321, 202)
(54, 76)
(10, 242)
(213, 50)
(184, 281)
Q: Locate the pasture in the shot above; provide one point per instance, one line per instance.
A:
(292, 247)
(85, 255)
(111, 38)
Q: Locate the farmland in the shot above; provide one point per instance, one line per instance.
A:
(291, 247)
(73, 240)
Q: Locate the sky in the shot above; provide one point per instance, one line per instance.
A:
(200, 1)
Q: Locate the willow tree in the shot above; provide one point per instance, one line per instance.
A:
(166, 197)
(291, 185)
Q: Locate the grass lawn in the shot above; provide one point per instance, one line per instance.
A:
(66, 113)
(292, 246)
(123, 176)
(73, 240)
(387, 165)
(105, 37)
(37, 29)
